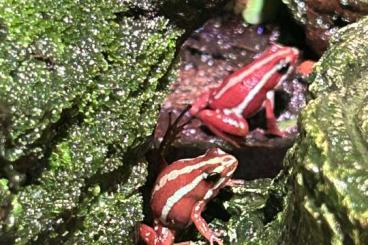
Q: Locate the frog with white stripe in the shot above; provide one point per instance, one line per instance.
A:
(224, 109)
(181, 193)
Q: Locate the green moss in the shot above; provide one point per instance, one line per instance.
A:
(258, 212)
(65, 55)
(5, 195)
(83, 82)
(110, 218)
(331, 164)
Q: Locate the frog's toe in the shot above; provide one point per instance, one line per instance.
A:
(214, 238)
(219, 233)
(276, 132)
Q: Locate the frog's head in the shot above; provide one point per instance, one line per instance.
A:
(275, 64)
(224, 167)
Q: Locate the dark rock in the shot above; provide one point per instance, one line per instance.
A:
(322, 18)
(219, 48)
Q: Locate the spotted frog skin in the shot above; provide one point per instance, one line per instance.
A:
(224, 109)
(181, 193)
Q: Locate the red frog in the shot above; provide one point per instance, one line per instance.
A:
(182, 191)
(242, 94)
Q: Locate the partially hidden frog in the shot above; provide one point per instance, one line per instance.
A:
(181, 193)
(224, 109)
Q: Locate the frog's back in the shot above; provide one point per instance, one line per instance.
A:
(176, 191)
(235, 89)
(246, 89)
(181, 184)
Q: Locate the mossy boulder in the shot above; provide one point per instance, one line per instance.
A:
(329, 161)
(259, 211)
(81, 83)
(255, 213)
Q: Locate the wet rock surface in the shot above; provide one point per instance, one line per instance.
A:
(220, 47)
(329, 163)
(322, 18)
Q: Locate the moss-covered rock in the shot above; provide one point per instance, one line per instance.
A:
(80, 88)
(61, 55)
(329, 162)
(255, 213)
(258, 212)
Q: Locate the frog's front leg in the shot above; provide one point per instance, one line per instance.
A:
(235, 182)
(201, 224)
(268, 104)
(222, 121)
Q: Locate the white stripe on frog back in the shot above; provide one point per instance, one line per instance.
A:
(179, 194)
(241, 107)
(185, 170)
(255, 66)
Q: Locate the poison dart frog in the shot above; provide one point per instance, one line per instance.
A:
(224, 109)
(181, 193)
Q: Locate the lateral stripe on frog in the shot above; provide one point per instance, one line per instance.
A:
(186, 189)
(239, 76)
(226, 108)
(185, 170)
(254, 91)
(181, 193)
(173, 198)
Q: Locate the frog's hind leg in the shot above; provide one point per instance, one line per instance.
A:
(221, 123)
(158, 236)
(147, 234)
(223, 136)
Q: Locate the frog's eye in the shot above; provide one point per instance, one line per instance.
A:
(212, 177)
(283, 67)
